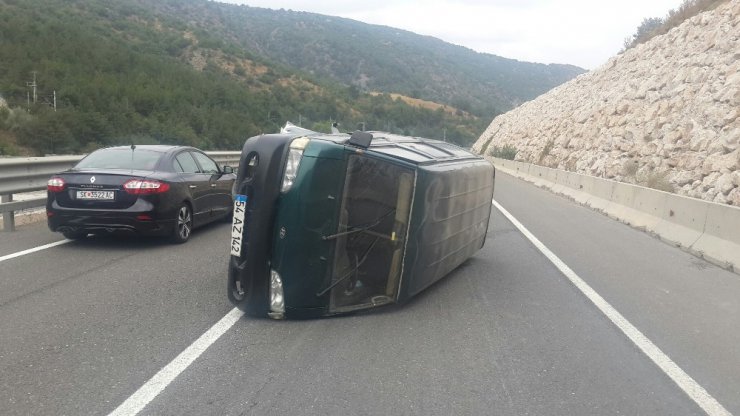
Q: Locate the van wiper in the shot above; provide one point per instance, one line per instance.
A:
(354, 269)
(358, 229)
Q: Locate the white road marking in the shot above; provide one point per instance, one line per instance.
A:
(151, 389)
(33, 250)
(696, 392)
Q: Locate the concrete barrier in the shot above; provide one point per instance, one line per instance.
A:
(683, 220)
(622, 198)
(539, 173)
(720, 242)
(646, 208)
(705, 229)
(599, 192)
(571, 183)
(519, 169)
(551, 175)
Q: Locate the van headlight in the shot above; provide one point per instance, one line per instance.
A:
(295, 154)
(277, 300)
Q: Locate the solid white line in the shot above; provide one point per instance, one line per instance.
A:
(33, 250)
(166, 375)
(696, 392)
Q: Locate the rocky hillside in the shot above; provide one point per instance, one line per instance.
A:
(663, 114)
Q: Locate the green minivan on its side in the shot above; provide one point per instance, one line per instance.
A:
(326, 224)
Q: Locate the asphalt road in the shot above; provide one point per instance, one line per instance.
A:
(84, 325)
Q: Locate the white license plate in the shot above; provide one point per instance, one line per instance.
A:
(237, 225)
(96, 195)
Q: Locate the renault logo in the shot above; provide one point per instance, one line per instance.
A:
(92, 179)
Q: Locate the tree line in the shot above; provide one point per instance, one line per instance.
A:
(655, 26)
(119, 79)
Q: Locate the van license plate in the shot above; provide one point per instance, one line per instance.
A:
(237, 225)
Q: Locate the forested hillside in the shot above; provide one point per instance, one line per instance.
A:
(376, 57)
(186, 71)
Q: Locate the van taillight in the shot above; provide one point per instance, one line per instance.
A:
(55, 185)
(145, 187)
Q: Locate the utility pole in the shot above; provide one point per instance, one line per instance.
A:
(33, 85)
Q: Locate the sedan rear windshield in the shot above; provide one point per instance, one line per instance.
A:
(120, 159)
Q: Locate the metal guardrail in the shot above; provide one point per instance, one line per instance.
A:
(28, 174)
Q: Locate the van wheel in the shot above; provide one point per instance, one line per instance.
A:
(183, 224)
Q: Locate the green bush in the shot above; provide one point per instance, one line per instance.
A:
(546, 150)
(629, 169)
(659, 181)
(507, 152)
(655, 26)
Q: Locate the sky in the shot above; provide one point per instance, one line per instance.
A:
(585, 33)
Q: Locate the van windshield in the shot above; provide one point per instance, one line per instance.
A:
(372, 231)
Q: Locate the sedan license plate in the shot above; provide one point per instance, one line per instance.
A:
(237, 225)
(96, 195)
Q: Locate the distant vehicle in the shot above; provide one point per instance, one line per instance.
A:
(326, 224)
(147, 189)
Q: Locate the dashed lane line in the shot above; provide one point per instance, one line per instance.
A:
(146, 393)
(151, 389)
(696, 392)
(33, 250)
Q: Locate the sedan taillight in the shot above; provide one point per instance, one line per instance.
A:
(55, 185)
(145, 187)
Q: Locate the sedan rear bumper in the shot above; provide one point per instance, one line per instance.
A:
(77, 220)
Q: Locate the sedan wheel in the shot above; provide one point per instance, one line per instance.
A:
(183, 225)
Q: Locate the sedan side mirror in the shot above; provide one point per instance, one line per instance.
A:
(228, 169)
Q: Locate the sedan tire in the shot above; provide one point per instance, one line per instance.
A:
(183, 224)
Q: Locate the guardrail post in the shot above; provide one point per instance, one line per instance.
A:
(8, 217)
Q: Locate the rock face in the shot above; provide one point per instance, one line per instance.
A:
(663, 114)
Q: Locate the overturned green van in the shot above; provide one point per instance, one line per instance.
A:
(326, 224)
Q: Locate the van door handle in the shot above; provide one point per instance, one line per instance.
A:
(213, 185)
(192, 186)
